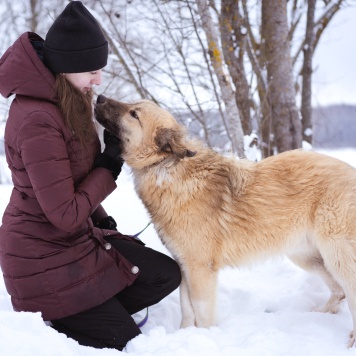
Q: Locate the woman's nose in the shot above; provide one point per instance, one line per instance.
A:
(97, 78)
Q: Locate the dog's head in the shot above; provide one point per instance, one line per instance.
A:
(148, 133)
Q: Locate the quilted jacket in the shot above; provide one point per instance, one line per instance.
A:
(53, 259)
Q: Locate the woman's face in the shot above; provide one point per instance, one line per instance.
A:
(84, 81)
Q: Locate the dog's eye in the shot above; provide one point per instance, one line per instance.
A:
(134, 114)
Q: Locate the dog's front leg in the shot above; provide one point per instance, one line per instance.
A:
(188, 316)
(201, 283)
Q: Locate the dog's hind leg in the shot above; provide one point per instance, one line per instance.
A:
(350, 291)
(346, 269)
(314, 263)
(337, 293)
(340, 259)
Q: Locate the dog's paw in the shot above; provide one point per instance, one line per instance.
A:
(332, 306)
(187, 322)
(326, 309)
(186, 325)
(351, 342)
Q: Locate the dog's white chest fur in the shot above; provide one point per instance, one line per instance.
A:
(162, 176)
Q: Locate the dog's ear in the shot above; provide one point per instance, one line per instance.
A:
(170, 141)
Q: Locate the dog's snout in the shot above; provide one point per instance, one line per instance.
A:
(101, 99)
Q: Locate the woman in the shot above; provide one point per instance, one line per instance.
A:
(60, 253)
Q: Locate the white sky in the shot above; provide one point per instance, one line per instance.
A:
(334, 62)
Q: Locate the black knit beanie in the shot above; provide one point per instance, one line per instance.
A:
(75, 42)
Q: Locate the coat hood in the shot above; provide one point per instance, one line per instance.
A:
(22, 71)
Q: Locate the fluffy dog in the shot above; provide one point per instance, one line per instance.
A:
(212, 211)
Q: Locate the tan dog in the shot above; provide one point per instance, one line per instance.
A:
(212, 211)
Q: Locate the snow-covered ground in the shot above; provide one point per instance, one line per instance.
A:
(263, 310)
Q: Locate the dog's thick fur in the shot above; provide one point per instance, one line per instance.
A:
(212, 211)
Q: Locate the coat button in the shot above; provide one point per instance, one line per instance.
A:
(107, 246)
(135, 269)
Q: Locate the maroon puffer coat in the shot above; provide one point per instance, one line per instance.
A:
(53, 260)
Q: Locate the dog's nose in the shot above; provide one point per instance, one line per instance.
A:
(101, 99)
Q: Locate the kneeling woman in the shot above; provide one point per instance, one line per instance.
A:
(60, 253)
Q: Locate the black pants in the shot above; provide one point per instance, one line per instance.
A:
(110, 324)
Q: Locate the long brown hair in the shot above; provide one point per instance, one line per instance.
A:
(76, 108)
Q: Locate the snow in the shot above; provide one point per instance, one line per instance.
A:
(261, 310)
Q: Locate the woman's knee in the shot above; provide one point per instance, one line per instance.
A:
(165, 271)
(154, 266)
(173, 273)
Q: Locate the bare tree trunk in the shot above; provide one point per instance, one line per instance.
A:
(34, 15)
(228, 96)
(286, 123)
(320, 25)
(306, 106)
(258, 63)
(233, 42)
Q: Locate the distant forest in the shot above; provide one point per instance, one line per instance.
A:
(334, 126)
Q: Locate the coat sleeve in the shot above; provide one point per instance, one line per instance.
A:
(98, 215)
(44, 154)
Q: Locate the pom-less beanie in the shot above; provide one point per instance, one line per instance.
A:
(75, 42)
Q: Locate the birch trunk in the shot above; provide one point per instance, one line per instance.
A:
(227, 92)
(233, 46)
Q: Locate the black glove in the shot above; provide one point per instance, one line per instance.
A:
(110, 158)
(112, 145)
(107, 223)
